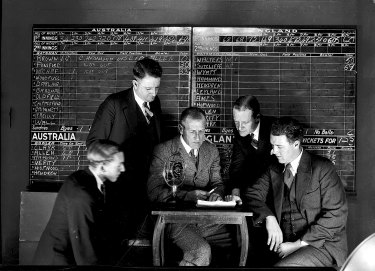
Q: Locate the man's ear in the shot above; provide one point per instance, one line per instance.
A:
(297, 143)
(102, 169)
(257, 119)
(180, 128)
(135, 83)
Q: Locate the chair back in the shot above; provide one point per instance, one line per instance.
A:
(363, 256)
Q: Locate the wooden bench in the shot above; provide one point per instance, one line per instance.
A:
(35, 211)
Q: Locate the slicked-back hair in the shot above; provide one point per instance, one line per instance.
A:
(289, 127)
(147, 66)
(247, 102)
(194, 113)
(101, 151)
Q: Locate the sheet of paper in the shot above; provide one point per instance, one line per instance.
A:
(219, 203)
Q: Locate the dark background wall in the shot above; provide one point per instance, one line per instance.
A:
(18, 16)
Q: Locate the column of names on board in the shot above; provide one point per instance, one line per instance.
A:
(308, 74)
(75, 69)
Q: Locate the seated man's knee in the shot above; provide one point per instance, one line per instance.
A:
(205, 254)
(201, 256)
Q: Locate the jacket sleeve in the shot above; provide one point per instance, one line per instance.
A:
(331, 220)
(103, 121)
(236, 166)
(256, 198)
(82, 229)
(157, 189)
(215, 180)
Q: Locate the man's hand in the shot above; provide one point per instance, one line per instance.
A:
(237, 199)
(288, 247)
(236, 192)
(196, 195)
(215, 197)
(275, 235)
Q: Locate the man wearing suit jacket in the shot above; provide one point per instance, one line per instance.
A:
(79, 231)
(131, 118)
(202, 174)
(251, 147)
(306, 221)
(250, 158)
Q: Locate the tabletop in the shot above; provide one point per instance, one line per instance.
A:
(192, 210)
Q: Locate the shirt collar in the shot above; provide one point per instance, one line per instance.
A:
(187, 147)
(99, 181)
(256, 132)
(139, 101)
(295, 163)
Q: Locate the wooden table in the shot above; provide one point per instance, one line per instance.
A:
(194, 215)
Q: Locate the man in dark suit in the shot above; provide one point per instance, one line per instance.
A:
(250, 158)
(251, 146)
(306, 220)
(131, 118)
(202, 174)
(79, 231)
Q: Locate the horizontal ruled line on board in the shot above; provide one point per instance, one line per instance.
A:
(60, 109)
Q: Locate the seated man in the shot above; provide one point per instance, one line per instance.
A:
(202, 174)
(78, 230)
(307, 212)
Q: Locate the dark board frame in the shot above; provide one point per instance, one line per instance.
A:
(174, 106)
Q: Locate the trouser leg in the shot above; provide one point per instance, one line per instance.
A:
(307, 256)
(190, 238)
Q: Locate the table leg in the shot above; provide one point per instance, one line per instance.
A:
(244, 242)
(158, 242)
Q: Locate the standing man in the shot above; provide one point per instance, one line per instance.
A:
(202, 174)
(131, 118)
(250, 159)
(251, 146)
(306, 220)
(79, 231)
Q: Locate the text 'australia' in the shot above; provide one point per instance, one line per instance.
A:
(51, 136)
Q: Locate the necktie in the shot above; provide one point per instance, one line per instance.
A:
(148, 113)
(288, 176)
(254, 142)
(102, 188)
(193, 157)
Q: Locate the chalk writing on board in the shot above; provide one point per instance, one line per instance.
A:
(75, 68)
(308, 74)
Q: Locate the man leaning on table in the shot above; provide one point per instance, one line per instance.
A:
(202, 174)
(306, 217)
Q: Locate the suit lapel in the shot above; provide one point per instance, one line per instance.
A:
(92, 185)
(278, 189)
(155, 110)
(129, 107)
(264, 135)
(303, 178)
(181, 149)
(202, 157)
